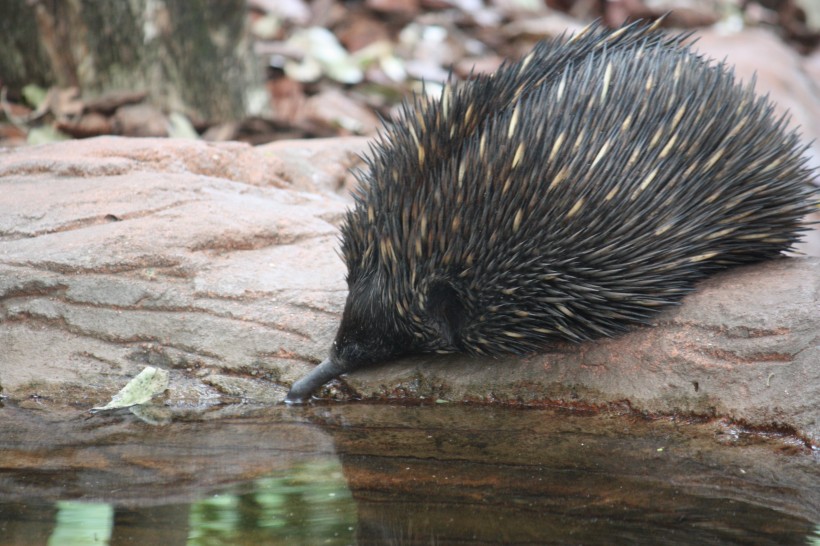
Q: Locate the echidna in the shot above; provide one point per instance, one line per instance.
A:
(568, 196)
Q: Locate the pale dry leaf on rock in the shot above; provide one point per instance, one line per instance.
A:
(147, 384)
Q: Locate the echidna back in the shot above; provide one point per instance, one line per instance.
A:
(573, 204)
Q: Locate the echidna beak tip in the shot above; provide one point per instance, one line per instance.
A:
(294, 399)
(301, 391)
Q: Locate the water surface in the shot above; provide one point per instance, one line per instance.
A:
(378, 474)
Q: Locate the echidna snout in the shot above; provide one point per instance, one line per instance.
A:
(572, 195)
(346, 355)
(364, 338)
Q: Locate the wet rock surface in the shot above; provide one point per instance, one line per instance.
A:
(210, 261)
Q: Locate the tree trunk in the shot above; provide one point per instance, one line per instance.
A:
(190, 56)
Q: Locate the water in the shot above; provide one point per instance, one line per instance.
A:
(376, 474)
(311, 505)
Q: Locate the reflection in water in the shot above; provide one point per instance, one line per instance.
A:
(311, 505)
(81, 523)
(374, 474)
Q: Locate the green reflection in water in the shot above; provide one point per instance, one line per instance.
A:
(82, 523)
(311, 505)
(814, 540)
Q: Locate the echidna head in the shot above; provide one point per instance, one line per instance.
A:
(368, 335)
(374, 331)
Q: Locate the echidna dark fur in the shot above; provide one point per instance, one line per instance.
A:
(571, 195)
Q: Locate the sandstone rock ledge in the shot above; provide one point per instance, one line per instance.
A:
(218, 262)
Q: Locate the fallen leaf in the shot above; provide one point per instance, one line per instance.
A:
(149, 382)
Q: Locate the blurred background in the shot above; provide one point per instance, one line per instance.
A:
(265, 70)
